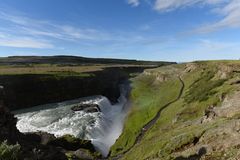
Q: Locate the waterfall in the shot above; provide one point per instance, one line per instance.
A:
(102, 128)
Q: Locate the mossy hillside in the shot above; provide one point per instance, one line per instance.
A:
(180, 123)
(148, 97)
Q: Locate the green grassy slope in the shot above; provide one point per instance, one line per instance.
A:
(180, 124)
(147, 96)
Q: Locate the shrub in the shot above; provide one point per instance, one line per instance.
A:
(9, 152)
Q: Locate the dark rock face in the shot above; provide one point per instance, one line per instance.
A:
(8, 126)
(47, 146)
(87, 108)
(8, 129)
(40, 137)
(41, 152)
(71, 143)
(24, 91)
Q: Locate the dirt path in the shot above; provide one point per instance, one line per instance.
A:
(147, 126)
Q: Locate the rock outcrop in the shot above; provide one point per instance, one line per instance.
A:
(87, 107)
(71, 143)
(230, 106)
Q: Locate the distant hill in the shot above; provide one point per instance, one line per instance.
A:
(74, 60)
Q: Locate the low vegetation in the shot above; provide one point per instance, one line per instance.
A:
(9, 152)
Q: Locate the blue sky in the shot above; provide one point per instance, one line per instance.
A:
(171, 30)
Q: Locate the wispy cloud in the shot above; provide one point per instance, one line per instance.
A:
(231, 18)
(47, 34)
(28, 26)
(169, 5)
(217, 45)
(134, 3)
(227, 9)
(23, 42)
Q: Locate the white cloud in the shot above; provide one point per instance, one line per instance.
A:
(134, 3)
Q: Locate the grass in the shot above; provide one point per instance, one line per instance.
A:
(50, 69)
(179, 123)
(202, 88)
(60, 69)
(148, 97)
(162, 146)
